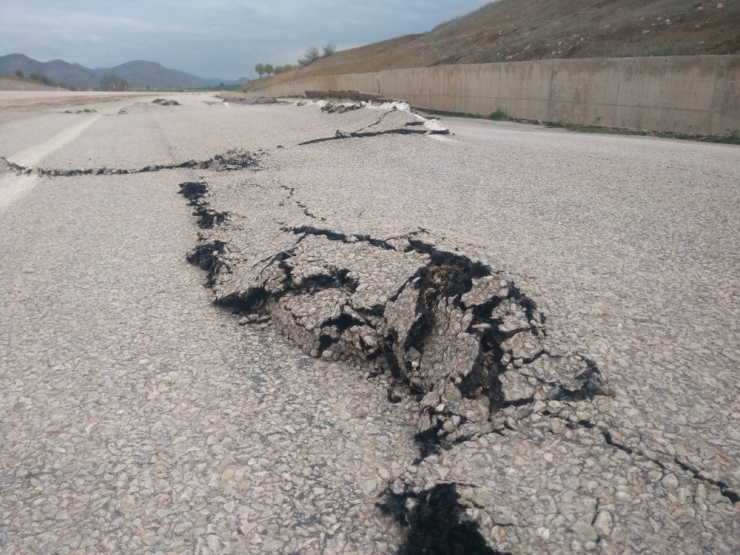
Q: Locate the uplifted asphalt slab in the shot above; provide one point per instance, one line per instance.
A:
(499, 340)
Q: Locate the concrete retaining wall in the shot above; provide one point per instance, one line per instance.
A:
(687, 94)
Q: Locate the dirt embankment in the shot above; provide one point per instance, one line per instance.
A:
(13, 83)
(512, 30)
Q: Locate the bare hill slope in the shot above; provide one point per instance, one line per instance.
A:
(13, 83)
(516, 30)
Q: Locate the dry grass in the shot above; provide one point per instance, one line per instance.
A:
(518, 30)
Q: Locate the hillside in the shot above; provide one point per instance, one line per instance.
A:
(57, 71)
(13, 83)
(517, 30)
(139, 73)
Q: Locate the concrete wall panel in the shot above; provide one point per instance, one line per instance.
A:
(585, 93)
(525, 89)
(690, 94)
(726, 110)
(483, 88)
(683, 83)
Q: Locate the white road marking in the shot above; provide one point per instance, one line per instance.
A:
(12, 187)
(441, 138)
(35, 154)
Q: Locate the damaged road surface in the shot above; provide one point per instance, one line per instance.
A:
(409, 340)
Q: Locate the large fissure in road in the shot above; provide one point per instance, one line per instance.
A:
(442, 327)
(457, 335)
(504, 412)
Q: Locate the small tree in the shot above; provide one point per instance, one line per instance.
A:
(260, 70)
(329, 49)
(19, 73)
(309, 56)
(283, 69)
(269, 69)
(111, 82)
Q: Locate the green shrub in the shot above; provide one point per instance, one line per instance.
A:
(498, 115)
(734, 137)
(309, 56)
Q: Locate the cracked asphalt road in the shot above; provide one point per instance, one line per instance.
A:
(136, 416)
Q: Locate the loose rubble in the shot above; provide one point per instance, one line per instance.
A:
(253, 101)
(340, 108)
(354, 95)
(165, 102)
(397, 118)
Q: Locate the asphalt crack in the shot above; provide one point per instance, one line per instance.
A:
(409, 124)
(232, 160)
(665, 465)
(341, 135)
(194, 191)
(723, 487)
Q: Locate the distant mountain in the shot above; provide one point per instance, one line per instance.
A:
(138, 73)
(57, 71)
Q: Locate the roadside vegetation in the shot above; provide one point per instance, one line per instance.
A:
(498, 115)
(311, 54)
(38, 77)
(269, 69)
(111, 82)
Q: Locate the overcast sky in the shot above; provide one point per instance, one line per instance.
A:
(210, 38)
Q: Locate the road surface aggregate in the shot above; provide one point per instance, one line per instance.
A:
(342, 327)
